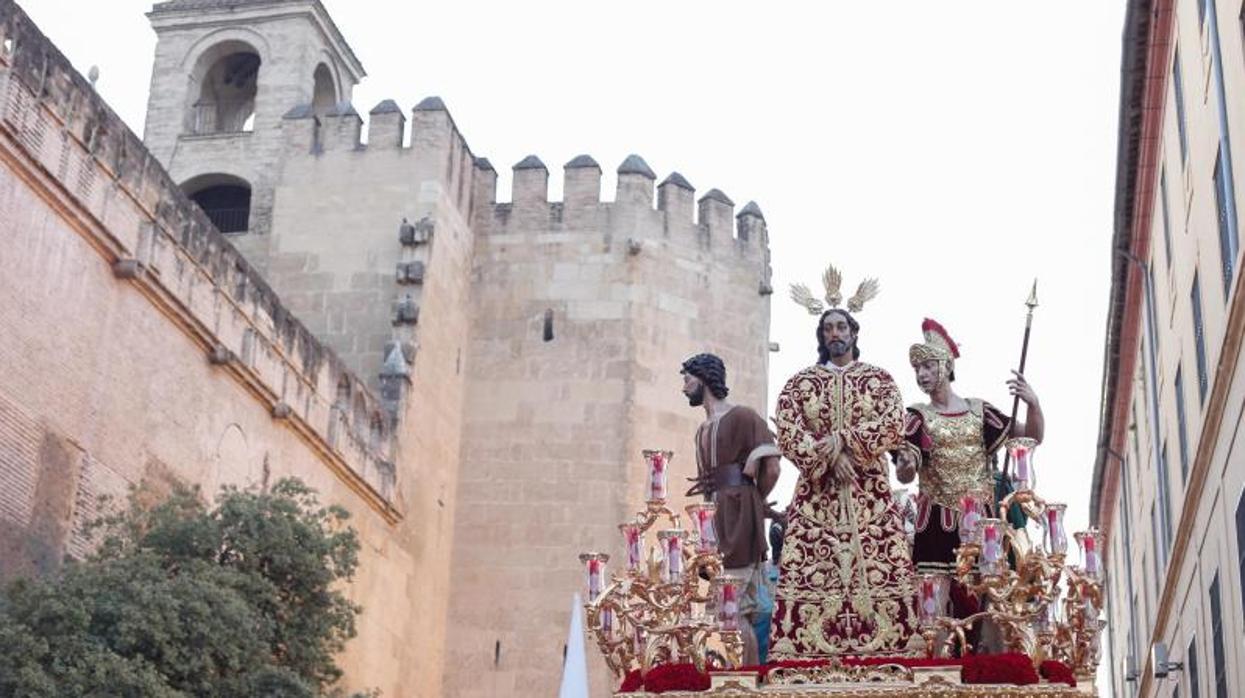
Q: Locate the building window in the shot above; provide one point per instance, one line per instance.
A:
(1182, 425)
(1159, 545)
(1152, 332)
(1190, 660)
(226, 81)
(1180, 119)
(1167, 227)
(1165, 506)
(1220, 668)
(323, 92)
(1240, 542)
(547, 332)
(225, 199)
(1229, 244)
(1125, 514)
(1199, 338)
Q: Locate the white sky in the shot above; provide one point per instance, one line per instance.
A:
(955, 150)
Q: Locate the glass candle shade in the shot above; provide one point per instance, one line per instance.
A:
(933, 592)
(672, 555)
(971, 513)
(658, 465)
(632, 544)
(992, 554)
(1056, 534)
(594, 571)
(607, 622)
(1021, 473)
(701, 516)
(1091, 552)
(1050, 615)
(728, 603)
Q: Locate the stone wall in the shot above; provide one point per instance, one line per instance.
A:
(140, 348)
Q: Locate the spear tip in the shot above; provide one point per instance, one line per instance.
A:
(1032, 301)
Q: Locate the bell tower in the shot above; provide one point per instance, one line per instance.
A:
(225, 73)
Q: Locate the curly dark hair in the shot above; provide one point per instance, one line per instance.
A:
(711, 371)
(823, 352)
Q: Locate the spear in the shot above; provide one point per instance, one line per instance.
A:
(1024, 355)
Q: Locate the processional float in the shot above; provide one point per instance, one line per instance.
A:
(671, 603)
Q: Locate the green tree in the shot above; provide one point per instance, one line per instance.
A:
(242, 599)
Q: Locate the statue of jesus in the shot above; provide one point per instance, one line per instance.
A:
(846, 583)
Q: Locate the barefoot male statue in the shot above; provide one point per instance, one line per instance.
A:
(736, 466)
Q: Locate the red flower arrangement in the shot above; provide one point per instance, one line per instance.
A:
(1011, 667)
(632, 682)
(1057, 672)
(666, 677)
(675, 677)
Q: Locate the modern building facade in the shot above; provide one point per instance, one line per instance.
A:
(1170, 469)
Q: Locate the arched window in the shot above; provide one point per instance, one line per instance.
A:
(227, 82)
(324, 95)
(376, 432)
(224, 198)
(359, 416)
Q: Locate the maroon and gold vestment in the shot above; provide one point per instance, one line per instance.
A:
(846, 582)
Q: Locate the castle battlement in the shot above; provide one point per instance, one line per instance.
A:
(155, 238)
(669, 210)
(434, 138)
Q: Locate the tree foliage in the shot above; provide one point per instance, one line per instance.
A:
(242, 599)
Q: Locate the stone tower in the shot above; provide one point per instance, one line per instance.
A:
(582, 314)
(224, 75)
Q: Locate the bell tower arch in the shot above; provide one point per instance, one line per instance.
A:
(225, 73)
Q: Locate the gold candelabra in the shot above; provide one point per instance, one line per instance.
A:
(672, 602)
(1040, 605)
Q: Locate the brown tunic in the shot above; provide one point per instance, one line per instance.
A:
(735, 438)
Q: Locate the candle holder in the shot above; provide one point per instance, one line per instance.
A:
(971, 514)
(728, 603)
(701, 515)
(658, 467)
(993, 555)
(1041, 607)
(1091, 556)
(1021, 450)
(594, 571)
(1055, 536)
(632, 543)
(933, 596)
(668, 606)
(672, 555)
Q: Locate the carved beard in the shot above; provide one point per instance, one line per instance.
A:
(697, 397)
(838, 347)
